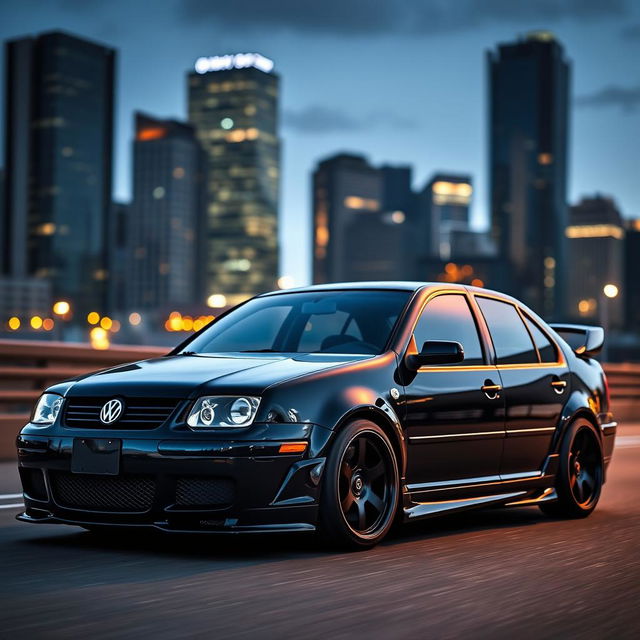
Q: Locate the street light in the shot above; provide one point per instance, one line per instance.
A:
(61, 308)
(609, 291)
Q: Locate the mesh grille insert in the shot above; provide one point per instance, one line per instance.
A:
(103, 493)
(199, 492)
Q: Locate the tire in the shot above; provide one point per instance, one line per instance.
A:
(580, 473)
(360, 489)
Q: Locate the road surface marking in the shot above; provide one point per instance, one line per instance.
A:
(12, 506)
(628, 441)
(10, 496)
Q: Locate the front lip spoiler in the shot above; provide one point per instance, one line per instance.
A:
(296, 527)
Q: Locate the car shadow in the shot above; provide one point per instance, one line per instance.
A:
(248, 548)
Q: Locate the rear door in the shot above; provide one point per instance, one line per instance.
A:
(534, 377)
(454, 413)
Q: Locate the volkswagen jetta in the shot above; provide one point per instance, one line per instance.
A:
(335, 409)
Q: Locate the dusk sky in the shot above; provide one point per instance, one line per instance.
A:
(403, 82)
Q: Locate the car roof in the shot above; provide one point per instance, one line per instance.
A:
(397, 285)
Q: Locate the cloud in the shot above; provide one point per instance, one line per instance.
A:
(317, 119)
(379, 17)
(627, 98)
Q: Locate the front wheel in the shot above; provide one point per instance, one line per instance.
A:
(580, 473)
(360, 487)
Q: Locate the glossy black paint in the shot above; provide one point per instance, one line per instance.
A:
(465, 436)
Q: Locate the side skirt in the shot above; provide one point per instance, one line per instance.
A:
(426, 509)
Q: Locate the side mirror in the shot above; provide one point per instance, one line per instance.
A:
(584, 340)
(436, 352)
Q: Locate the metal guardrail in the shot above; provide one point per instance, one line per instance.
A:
(26, 367)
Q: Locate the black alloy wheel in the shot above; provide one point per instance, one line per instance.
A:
(360, 488)
(580, 473)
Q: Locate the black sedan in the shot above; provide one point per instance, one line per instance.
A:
(336, 409)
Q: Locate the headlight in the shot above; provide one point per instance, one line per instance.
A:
(47, 408)
(223, 411)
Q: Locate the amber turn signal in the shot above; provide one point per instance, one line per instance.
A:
(293, 447)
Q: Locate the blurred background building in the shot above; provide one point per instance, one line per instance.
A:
(58, 158)
(596, 241)
(166, 223)
(445, 200)
(358, 233)
(233, 104)
(528, 133)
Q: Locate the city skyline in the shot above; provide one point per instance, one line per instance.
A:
(441, 124)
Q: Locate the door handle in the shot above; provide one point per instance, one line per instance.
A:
(559, 385)
(491, 390)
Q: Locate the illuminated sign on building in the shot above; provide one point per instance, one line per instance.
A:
(236, 61)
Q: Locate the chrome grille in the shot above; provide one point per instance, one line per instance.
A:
(139, 413)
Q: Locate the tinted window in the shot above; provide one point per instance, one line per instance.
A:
(448, 317)
(510, 337)
(358, 322)
(545, 348)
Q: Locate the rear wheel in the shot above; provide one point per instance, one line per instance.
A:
(360, 487)
(580, 473)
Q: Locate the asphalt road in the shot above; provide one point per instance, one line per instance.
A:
(486, 574)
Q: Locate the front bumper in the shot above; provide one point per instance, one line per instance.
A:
(194, 484)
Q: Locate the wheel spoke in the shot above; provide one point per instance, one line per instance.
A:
(377, 470)
(362, 451)
(347, 502)
(587, 480)
(362, 516)
(347, 472)
(375, 501)
(579, 490)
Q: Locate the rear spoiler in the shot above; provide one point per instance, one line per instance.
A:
(585, 341)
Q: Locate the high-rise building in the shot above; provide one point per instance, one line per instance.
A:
(119, 257)
(596, 258)
(233, 103)
(166, 219)
(58, 156)
(631, 288)
(359, 220)
(528, 131)
(444, 209)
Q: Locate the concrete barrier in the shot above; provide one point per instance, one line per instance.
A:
(27, 367)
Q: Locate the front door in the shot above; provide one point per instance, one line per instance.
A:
(454, 413)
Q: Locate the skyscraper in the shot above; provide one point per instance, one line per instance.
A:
(445, 202)
(596, 254)
(233, 103)
(528, 131)
(58, 156)
(166, 218)
(631, 290)
(358, 229)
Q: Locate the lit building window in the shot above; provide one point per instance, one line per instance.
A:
(178, 173)
(545, 158)
(595, 231)
(355, 202)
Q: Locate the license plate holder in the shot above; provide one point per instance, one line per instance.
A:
(99, 456)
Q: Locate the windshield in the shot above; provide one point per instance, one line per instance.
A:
(353, 322)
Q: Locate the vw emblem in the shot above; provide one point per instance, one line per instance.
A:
(111, 411)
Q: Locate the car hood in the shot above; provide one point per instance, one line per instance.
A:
(182, 376)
